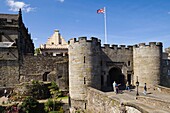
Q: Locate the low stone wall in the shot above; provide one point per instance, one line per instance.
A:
(155, 102)
(163, 89)
(99, 102)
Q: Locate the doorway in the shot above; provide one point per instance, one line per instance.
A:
(115, 74)
(45, 76)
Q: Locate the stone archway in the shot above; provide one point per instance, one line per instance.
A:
(45, 76)
(115, 74)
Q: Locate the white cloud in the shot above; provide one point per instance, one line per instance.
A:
(16, 5)
(61, 1)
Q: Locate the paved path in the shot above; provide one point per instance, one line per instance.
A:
(147, 104)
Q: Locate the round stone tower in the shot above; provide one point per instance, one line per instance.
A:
(147, 63)
(84, 69)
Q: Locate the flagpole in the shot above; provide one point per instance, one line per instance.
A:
(105, 28)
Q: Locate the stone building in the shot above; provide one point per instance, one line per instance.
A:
(15, 42)
(95, 66)
(87, 65)
(55, 45)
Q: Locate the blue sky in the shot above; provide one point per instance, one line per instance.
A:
(129, 22)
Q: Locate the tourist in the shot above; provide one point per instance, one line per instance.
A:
(117, 88)
(127, 86)
(5, 93)
(145, 89)
(114, 86)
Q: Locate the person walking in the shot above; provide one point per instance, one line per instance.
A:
(127, 86)
(145, 89)
(114, 86)
(5, 93)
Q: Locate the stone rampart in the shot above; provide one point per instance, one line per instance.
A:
(45, 68)
(147, 62)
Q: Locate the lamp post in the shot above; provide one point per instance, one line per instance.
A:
(137, 84)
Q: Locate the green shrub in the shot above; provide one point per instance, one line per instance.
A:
(29, 105)
(2, 110)
(52, 105)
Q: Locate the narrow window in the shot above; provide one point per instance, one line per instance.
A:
(85, 106)
(128, 63)
(84, 80)
(52, 43)
(101, 63)
(102, 80)
(167, 63)
(168, 72)
(0, 37)
(84, 59)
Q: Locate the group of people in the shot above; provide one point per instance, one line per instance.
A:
(116, 88)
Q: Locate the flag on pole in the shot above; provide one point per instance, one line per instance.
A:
(101, 10)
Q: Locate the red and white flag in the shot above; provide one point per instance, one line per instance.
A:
(101, 10)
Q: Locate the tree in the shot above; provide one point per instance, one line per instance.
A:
(49, 106)
(37, 51)
(55, 93)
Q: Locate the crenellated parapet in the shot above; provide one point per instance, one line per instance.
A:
(117, 47)
(150, 45)
(84, 39)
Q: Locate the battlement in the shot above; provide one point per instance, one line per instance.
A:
(115, 47)
(151, 44)
(84, 39)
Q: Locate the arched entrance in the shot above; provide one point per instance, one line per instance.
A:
(117, 76)
(45, 76)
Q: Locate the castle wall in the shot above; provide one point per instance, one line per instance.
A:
(84, 67)
(117, 56)
(9, 66)
(147, 63)
(9, 73)
(50, 68)
(165, 76)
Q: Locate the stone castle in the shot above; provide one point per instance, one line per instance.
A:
(88, 64)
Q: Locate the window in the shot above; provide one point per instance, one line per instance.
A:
(0, 37)
(168, 72)
(84, 59)
(84, 80)
(85, 106)
(128, 63)
(167, 62)
(52, 43)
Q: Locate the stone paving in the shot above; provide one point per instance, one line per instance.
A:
(153, 102)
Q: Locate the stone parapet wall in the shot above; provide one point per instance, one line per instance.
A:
(99, 102)
(163, 89)
(155, 102)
